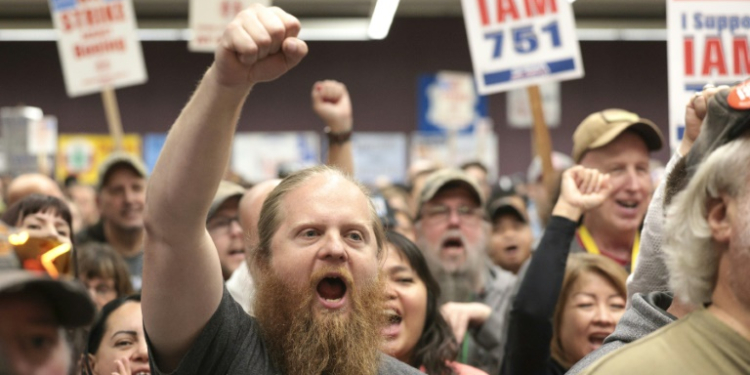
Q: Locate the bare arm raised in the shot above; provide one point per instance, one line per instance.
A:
(182, 282)
(330, 101)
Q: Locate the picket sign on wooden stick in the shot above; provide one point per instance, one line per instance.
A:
(542, 140)
(112, 111)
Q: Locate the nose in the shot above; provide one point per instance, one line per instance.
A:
(390, 291)
(334, 249)
(140, 354)
(235, 228)
(604, 316)
(454, 219)
(634, 181)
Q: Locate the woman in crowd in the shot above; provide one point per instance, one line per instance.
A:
(42, 216)
(416, 333)
(104, 273)
(49, 222)
(117, 343)
(561, 313)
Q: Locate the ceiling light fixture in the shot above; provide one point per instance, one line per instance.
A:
(382, 18)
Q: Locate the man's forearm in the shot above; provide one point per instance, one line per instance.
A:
(192, 161)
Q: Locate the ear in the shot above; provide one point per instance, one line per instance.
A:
(718, 219)
(91, 363)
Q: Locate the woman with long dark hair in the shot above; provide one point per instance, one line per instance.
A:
(117, 342)
(417, 334)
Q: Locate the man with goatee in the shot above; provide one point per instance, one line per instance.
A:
(316, 267)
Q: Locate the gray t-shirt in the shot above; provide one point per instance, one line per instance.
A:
(135, 266)
(231, 344)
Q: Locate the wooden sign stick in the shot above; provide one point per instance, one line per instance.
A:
(112, 111)
(542, 140)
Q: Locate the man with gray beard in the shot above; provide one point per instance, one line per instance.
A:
(319, 293)
(452, 232)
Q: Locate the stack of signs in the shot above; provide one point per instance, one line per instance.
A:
(29, 140)
(707, 42)
(98, 44)
(518, 43)
(208, 18)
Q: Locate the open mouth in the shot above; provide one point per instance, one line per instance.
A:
(597, 339)
(627, 204)
(142, 372)
(236, 252)
(511, 249)
(393, 323)
(332, 289)
(453, 242)
(392, 317)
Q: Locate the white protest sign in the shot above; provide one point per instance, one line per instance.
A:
(257, 156)
(208, 18)
(42, 136)
(379, 156)
(518, 43)
(707, 42)
(98, 44)
(519, 106)
(456, 149)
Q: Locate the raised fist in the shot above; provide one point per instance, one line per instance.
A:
(330, 101)
(259, 45)
(584, 188)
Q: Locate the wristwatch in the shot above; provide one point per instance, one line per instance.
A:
(337, 138)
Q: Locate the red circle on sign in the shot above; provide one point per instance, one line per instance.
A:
(739, 96)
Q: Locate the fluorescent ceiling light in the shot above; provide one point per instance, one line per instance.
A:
(382, 17)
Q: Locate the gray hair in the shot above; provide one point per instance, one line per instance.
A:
(689, 254)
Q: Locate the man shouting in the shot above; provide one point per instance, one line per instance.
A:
(319, 295)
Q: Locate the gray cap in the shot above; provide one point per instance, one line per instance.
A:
(442, 177)
(116, 159)
(226, 190)
(512, 204)
(71, 302)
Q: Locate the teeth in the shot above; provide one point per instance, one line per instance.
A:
(333, 300)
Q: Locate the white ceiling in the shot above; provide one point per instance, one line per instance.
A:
(173, 13)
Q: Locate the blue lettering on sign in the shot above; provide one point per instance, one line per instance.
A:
(60, 5)
(550, 67)
(525, 39)
(719, 22)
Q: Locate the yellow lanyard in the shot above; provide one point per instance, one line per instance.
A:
(590, 246)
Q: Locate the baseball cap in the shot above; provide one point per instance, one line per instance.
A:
(116, 159)
(512, 204)
(601, 128)
(71, 301)
(226, 190)
(442, 177)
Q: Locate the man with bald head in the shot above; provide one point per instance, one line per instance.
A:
(32, 183)
(240, 284)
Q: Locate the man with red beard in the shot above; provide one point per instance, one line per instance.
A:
(453, 233)
(616, 142)
(319, 295)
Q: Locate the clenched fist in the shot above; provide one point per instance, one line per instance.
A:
(259, 45)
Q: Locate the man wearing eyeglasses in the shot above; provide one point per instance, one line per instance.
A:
(453, 232)
(223, 226)
(616, 142)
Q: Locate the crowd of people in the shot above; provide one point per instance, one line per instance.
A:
(184, 272)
